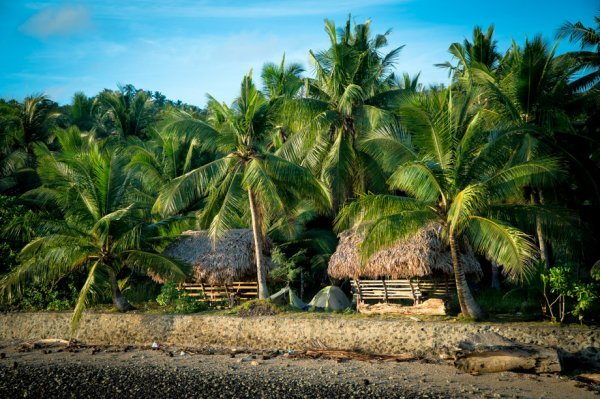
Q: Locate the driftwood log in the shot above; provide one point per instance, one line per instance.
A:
(351, 355)
(594, 378)
(431, 307)
(491, 353)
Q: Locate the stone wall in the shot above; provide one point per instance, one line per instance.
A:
(380, 336)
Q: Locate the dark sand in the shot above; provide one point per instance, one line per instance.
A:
(55, 371)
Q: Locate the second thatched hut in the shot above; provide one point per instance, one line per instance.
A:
(421, 261)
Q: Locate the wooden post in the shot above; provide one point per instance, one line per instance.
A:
(203, 291)
(358, 289)
(412, 289)
(385, 291)
(227, 292)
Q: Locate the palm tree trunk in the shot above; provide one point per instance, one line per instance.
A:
(468, 306)
(261, 274)
(118, 299)
(495, 276)
(543, 245)
(544, 252)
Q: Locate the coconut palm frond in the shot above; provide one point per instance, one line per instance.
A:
(367, 208)
(428, 188)
(82, 300)
(160, 265)
(183, 191)
(502, 244)
(386, 230)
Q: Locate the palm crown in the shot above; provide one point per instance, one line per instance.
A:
(351, 94)
(105, 228)
(456, 175)
(244, 177)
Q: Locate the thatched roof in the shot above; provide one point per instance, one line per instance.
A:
(422, 255)
(231, 258)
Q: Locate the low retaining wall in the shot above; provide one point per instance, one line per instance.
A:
(279, 332)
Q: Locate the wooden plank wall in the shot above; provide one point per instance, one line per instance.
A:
(242, 290)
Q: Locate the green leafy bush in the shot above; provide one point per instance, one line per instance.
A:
(47, 297)
(168, 294)
(566, 294)
(178, 300)
(186, 304)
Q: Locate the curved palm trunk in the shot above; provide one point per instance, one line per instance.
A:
(468, 306)
(118, 299)
(261, 273)
(542, 244)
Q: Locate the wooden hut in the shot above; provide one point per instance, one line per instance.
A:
(417, 268)
(221, 270)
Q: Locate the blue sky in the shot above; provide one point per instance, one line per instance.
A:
(187, 48)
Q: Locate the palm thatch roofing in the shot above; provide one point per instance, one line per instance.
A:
(230, 259)
(424, 254)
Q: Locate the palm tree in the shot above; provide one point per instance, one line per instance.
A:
(82, 112)
(351, 94)
(281, 83)
(23, 127)
(587, 84)
(37, 116)
(479, 54)
(588, 58)
(409, 83)
(105, 230)
(534, 94)
(166, 156)
(244, 177)
(456, 175)
(125, 112)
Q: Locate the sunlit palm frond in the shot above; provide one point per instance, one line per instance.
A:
(181, 192)
(82, 300)
(369, 207)
(417, 179)
(502, 244)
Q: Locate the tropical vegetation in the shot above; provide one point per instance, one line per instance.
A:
(505, 161)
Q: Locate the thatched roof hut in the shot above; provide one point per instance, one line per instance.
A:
(424, 254)
(230, 259)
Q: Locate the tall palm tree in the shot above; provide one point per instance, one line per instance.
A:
(534, 94)
(349, 97)
(456, 175)
(105, 230)
(244, 177)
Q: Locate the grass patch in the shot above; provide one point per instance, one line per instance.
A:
(257, 307)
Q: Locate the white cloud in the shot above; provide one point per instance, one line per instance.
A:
(61, 21)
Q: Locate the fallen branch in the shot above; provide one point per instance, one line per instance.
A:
(352, 355)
